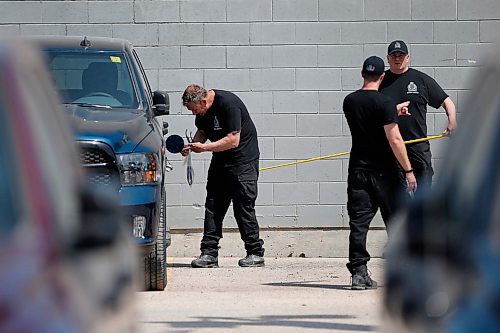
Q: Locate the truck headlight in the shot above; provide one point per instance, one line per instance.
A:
(138, 168)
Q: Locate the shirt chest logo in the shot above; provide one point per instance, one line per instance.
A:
(412, 88)
(216, 124)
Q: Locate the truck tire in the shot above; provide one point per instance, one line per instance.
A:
(155, 270)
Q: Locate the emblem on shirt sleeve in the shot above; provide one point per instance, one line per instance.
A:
(216, 124)
(412, 88)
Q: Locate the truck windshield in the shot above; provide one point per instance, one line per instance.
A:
(93, 78)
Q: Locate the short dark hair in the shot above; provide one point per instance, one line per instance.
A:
(193, 94)
(370, 77)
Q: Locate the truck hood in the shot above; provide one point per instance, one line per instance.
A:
(122, 129)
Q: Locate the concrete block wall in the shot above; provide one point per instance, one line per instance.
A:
(292, 62)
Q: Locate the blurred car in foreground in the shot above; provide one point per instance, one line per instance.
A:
(66, 265)
(443, 261)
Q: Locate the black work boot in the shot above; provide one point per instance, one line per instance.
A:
(361, 280)
(251, 260)
(205, 261)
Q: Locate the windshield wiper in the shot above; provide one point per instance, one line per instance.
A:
(90, 105)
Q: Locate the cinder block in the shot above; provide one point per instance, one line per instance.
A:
(410, 32)
(42, 29)
(65, 12)
(295, 56)
(456, 32)
(296, 148)
(296, 194)
(249, 56)
(180, 34)
(387, 10)
(488, 31)
(137, 34)
(473, 54)
(203, 11)
(320, 171)
(228, 79)
(351, 79)
(336, 144)
(227, 33)
(174, 194)
(375, 49)
(16, 29)
(257, 102)
(264, 196)
(275, 125)
(276, 216)
(430, 123)
(333, 193)
(152, 76)
(102, 30)
(317, 33)
(340, 55)
(281, 174)
(331, 101)
(21, 12)
(272, 79)
(319, 216)
(296, 102)
(434, 10)
(160, 57)
(266, 148)
(203, 57)
(478, 10)
(437, 55)
(364, 32)
(194, 195)
(111, 11)
(157, 11)
(317, 79)
(249, 11)
(179, 79)
(295, 10)
(272, 33)
(456, 78)
(185, 217)
(323, 125)
(341, 10)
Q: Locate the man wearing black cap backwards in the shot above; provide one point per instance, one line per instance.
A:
(373, 180)
(403, 83)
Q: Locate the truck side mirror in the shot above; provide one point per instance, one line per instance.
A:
(161, 103)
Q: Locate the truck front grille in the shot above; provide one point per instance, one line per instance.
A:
(99, 163)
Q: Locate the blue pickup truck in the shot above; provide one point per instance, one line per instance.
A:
(117, 125)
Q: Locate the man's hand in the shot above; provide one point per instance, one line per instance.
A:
(403, 109)
(411, 181)
(452, 125)
(185, 151)
(198, 147)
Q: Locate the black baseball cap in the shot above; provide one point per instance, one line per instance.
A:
(373, 65)
(397, 46)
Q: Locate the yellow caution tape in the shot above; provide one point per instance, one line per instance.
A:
(433, 137)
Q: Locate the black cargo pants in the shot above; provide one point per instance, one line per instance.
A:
(367, 191)
(239, 185)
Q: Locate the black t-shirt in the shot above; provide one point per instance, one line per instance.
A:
(367, 112)
(228, 114)
(421, 90)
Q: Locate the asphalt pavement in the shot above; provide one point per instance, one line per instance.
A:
(287, 295)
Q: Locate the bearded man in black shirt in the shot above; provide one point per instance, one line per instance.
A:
(223, 120)
(403, 83)
(374, 179)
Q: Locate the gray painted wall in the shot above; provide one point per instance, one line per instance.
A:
(292, 62)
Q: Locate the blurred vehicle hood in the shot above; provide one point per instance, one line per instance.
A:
(122, 129)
